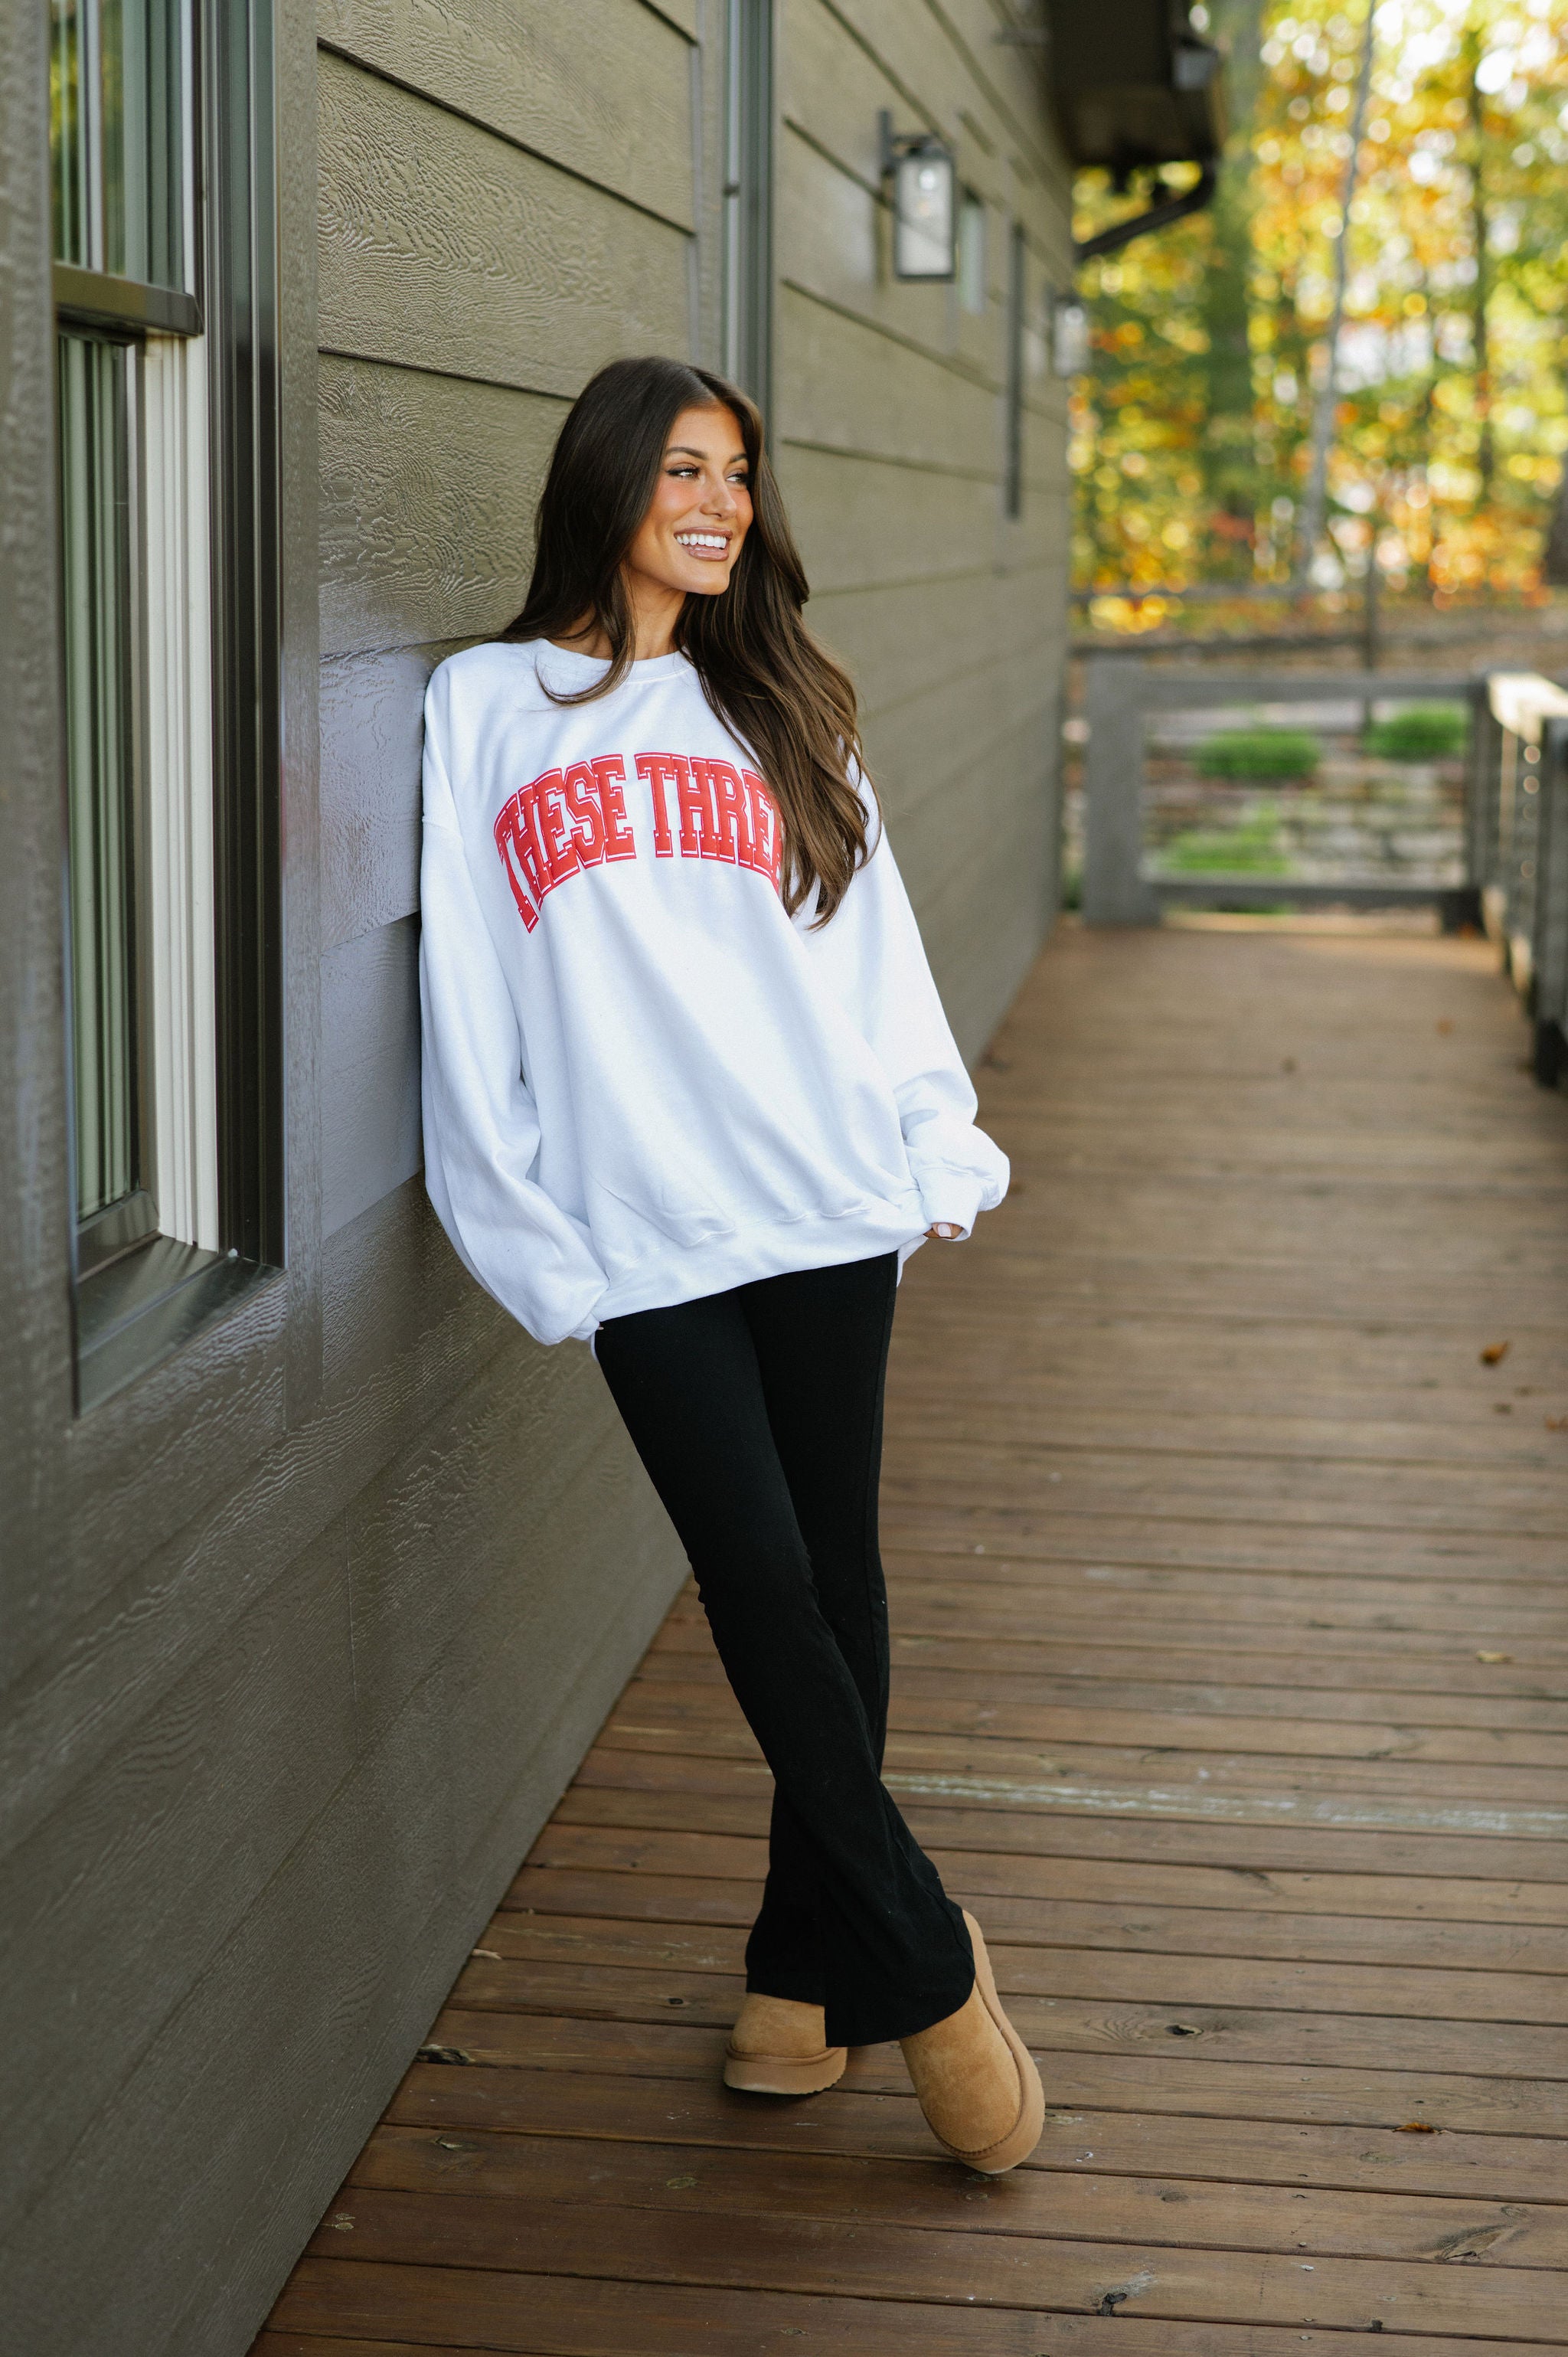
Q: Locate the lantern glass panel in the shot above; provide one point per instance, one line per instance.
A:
(923, 220)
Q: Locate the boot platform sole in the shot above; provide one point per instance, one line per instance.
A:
(784, 2074)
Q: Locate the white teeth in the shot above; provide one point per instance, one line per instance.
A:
(702, 540)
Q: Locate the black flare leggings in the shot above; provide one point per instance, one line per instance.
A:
(758, 1416)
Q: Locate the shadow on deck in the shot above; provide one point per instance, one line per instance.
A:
(1227, 1552)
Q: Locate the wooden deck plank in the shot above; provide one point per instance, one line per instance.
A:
(548, 2315)
(1294, 1986)
(1230, 1929)
(1231, 1687)
(768, 2249)
(910, 2190)
(932, 1707)
(579, 1845)
(1142, 2077)
(887, 2125)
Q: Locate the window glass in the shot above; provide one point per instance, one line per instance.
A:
(117, 75)
(95, 402)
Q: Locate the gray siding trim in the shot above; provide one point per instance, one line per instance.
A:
(369, 1071)
(35, 1366)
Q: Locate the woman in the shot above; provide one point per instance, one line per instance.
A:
(690, 1096)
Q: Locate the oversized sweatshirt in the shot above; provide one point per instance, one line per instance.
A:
(642, 1080)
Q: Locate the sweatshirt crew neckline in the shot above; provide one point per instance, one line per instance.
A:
(560, 664)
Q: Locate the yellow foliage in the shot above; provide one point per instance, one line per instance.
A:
(1209, 337)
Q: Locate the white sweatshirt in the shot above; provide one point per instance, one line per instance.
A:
(644, 1082)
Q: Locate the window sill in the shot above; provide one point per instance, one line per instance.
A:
(145, 1304)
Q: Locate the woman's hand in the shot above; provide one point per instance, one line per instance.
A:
(944, 1232)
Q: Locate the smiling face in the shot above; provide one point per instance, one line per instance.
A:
(687, 543)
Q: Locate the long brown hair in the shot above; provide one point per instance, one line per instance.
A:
(762, 671)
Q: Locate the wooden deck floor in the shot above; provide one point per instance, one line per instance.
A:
(1230, 1661)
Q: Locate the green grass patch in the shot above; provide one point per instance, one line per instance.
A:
(1420, 732)
(1260, 753)
(1251, 848)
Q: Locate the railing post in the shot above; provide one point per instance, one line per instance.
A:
(1114, 892)
(1550, 961)
(1485, 795)
(1466, 905)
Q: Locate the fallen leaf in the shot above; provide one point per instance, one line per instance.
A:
(1557, 1424)
(1494, 1354)
(1502, 1408)
(444, 2054)
(678, 2184)
(1418, 2127)
(1444, 1025)
(492, 1955)
(1288, 1065)
(1494, 1657)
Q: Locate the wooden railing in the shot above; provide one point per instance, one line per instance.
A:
(1519, 848)
(1516, 815)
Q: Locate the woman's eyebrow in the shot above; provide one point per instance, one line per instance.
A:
(684, 450)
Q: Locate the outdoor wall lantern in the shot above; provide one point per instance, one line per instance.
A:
(925, 207)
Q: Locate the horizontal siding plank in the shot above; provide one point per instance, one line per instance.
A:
(865, 526)
(275, 2067)
(863, 523)
(835, 386)
(152, 1864)
(545, 1411)
(937, 751)
(441, 247)
(893, 638)
(369, 1071)
(427, 499)
(602, 87)
(394, 1294)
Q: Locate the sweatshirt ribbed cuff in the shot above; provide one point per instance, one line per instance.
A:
(949, 1198)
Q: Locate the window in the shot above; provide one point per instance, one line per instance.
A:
(1013, 459)
(970, 252)
(748, 200)
(157, 838)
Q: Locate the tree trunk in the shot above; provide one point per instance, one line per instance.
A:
(1228, 457)
(1485, 456)
(1314, 505)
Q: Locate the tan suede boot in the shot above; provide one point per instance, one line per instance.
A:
(976, 2079)
(778, 2048)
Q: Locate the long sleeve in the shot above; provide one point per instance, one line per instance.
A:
(481, 1127)
(871, 953)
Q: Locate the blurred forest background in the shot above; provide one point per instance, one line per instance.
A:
(1400, 178)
